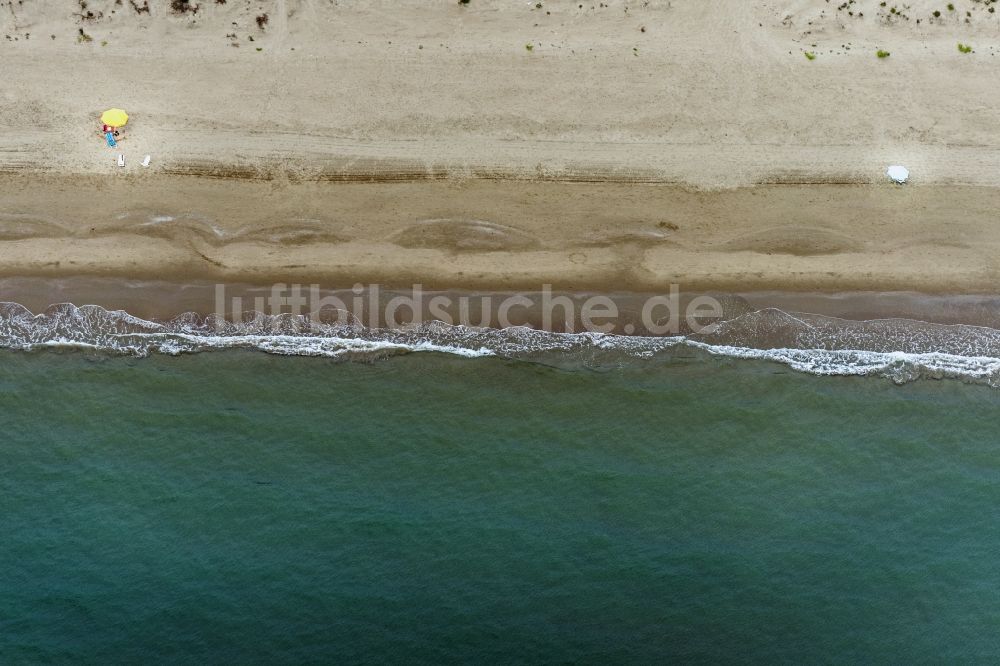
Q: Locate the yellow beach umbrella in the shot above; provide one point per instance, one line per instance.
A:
(114, 117)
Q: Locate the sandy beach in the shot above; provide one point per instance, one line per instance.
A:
(634, 145)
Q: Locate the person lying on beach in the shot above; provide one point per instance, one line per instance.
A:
(110, 133)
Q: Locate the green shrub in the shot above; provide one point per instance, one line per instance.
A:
(964, 48)
(882, 54)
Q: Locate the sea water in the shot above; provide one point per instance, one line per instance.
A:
(235, 506)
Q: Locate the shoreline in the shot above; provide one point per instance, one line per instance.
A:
(957, 337)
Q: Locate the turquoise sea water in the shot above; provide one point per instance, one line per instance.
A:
(240, 507)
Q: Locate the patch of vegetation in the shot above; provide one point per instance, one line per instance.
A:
(810, 55)
(87, 14)
(951, 7)
(262, 21)
(882, 54)
(964, 48)
(463, 2)
(530, 47)
(84, 38)
(183, 7)
(140, 10)
(937, 14)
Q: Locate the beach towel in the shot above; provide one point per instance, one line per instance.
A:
(111, 139)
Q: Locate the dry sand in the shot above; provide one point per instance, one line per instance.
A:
(636, 144)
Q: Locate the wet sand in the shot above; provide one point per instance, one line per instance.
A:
(498, 235)
(163, 301)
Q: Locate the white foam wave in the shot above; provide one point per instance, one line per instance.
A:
(901, 367)
(806, 343)
(288, 345)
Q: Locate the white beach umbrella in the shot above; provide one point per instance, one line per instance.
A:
(899, 174)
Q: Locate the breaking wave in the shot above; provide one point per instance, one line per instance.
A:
(902, 350)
